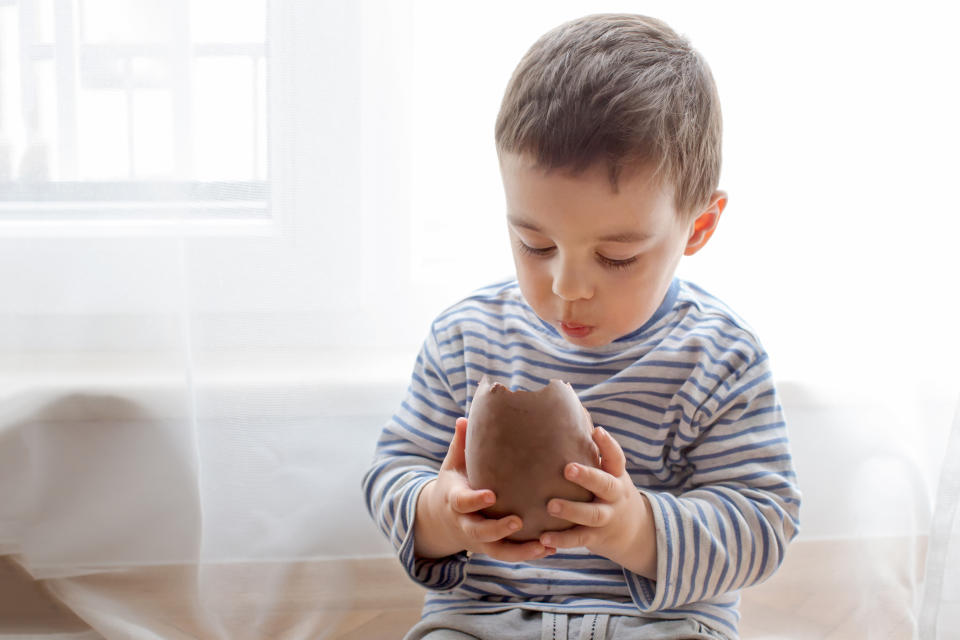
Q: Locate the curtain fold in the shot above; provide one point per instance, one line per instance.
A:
(940, 610)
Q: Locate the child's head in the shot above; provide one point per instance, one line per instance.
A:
(609, 145)
(620, 90)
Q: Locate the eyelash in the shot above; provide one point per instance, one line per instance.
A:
(605, 261)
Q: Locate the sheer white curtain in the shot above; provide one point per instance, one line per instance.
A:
(191, 385)
(193, 377)
(940, 613)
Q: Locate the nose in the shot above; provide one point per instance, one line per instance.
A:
(571, 281)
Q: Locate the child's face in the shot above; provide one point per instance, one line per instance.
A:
(593, 263)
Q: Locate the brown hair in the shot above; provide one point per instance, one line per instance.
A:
(622, 89)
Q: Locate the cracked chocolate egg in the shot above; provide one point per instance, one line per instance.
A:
(518, 443)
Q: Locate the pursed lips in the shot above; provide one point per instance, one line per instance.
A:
(573, 330)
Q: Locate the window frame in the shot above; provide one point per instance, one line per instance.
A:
(123, 216)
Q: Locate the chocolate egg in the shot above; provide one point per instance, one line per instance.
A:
(518, 443)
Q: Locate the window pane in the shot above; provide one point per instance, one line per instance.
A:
(129, 21)
(43, 19)
(11, 127)
(247, 20)
(261, 151)
(40, 157)
(223, 130)
(152, 134)
(150, 72)
(103, 151)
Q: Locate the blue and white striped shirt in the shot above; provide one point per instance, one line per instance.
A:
(690, 398)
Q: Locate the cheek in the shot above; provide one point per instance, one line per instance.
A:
(531, 280)
(528, 269)
(535, 282)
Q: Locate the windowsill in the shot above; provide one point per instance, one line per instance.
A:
(111, 228)
(306, 383)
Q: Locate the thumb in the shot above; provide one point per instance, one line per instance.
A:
(456, 455)
(612, 459)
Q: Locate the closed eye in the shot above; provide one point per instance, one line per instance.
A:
(533, 251)
(542, 252)
(615, 264)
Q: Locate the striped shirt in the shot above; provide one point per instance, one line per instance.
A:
(690, 398)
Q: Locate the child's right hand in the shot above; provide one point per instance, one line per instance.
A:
(447, 521)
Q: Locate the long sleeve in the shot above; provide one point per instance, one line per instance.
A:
(729, 526)
(691, 400)
(409, 452)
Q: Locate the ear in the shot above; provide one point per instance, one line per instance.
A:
(706, 223)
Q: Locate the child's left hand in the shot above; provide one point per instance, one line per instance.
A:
(618, 524)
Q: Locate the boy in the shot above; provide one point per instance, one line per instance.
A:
(609, 146)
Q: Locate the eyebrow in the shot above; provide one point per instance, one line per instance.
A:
(625, 236)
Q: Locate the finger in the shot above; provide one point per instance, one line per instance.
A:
(482, 530)
(569, 538)
(517, 551)
(612, 459)
(588, 514)
(456, 456)
(596, 481)
(469, 500)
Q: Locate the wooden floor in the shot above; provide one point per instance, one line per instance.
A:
(830, 590)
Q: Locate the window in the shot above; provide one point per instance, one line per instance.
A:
(133, 110)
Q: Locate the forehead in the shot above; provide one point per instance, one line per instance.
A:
(554, 198)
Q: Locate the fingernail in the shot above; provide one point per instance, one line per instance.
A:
(572, 470)
(514, 525)
(603, 432)
(489, 499)
(547, 541)
(553, 507)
